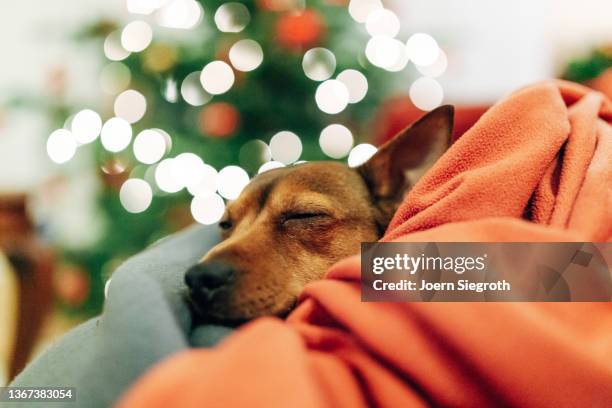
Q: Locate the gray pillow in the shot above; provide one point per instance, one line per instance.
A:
(145, 319)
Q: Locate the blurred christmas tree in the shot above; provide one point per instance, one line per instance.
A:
(207, 94)
(588, 68)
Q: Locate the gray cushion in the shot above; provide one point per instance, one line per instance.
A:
(145, 319)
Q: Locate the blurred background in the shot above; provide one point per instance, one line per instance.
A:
(122, 121)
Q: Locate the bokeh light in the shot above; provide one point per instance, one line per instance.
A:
(400, 63)
(437, 68)
(332, 96)
(167, 138)
(135, 195)
(246, 55)
(360, 10)
(130, 105)
(319, 64)
(286, 147)
(217, 77)
(192, 91)
(426, 93)
(136, 36)
(387, 53)
(86, 126)
(113, 50)
(61, 146)
(180, 14)
(207, 208)
(383, 22)
(401, 60)
(116, 134)
(356, 83)
(361, 154)
(149, 146)
(232, 180)
(232, 17)
(169, 91)
(186, 169)
(336, 141)
(114, 78)
(271, 165)
(164, 177)
(206, 180)
(422, 49)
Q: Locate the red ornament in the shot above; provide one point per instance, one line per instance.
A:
(219, 119)
(300, 30)
(72, 285)
(278, 5)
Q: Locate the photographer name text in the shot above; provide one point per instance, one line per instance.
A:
(461, 285)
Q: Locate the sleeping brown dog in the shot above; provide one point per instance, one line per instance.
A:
(291, 224)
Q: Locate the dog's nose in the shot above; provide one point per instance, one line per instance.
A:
(210, 276)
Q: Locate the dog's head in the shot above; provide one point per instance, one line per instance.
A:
(291, 224)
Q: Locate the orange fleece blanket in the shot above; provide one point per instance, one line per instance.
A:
(536, 167)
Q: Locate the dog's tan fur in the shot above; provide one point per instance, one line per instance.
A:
(291, 224)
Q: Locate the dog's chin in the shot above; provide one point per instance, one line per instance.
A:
(218, 313)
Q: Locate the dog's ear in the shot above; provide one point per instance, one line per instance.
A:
(400, 162)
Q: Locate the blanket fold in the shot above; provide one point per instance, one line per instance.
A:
(536, 167)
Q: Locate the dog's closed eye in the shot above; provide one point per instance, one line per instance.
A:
(303, 215)
(304, 218)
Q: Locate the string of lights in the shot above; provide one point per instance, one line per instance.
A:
(208, 186)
